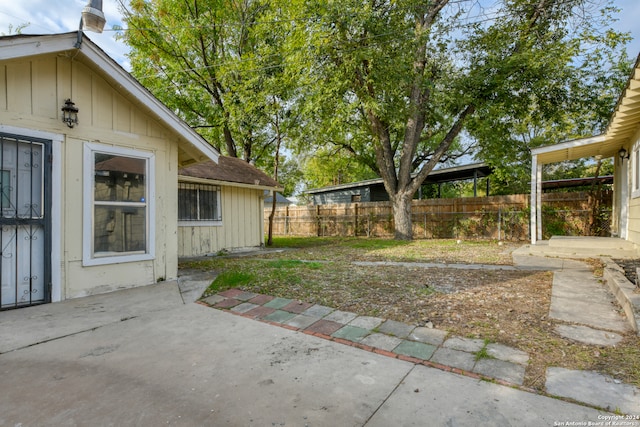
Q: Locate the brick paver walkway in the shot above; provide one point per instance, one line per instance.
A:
(431, 347)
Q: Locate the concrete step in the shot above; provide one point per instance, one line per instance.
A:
(580, 247)
(580, 242)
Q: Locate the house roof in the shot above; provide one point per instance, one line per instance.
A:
(455, 173)
(622, 126)
(193, 148)
(279, 198)
(230, 170)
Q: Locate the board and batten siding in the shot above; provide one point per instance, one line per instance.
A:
(32, 92)
(242, 225)
(633, 226)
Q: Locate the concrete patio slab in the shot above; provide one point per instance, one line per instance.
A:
(508, 354)
(194, 365)
(192, 283)
(577, 297)
(595, 389)
(174, 368)
(32, 325)
(587, 335)
(496, 368)
(525, 261)
(430, 397)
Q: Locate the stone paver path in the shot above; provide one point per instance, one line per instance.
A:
(590, 315)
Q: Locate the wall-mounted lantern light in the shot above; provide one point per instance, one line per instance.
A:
(70, 113)
(623, 154)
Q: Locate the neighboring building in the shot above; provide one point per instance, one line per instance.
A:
(220, 206)
(372, 190)
(621, 140)
(92, 206)
(281, 201)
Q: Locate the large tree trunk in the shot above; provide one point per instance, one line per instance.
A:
(401, 204)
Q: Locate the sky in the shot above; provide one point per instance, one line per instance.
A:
(61, 16)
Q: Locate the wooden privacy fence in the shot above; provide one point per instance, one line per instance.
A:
(494, 217)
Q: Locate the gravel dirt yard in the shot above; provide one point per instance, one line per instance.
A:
(502, 306)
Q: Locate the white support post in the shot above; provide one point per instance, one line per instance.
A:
(536, 199)
(533, 217)
(539, 198)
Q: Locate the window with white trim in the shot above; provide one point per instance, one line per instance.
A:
(199, 203)
(119, 213)
(635, 170)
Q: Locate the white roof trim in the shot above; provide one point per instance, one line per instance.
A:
(192, 179)
(568, 144)
(23, 46)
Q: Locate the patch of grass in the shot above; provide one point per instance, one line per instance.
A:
(483, 353)
(230, 279)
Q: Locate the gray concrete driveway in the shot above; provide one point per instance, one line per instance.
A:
(143, 358)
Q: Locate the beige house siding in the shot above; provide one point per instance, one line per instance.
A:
(32, 92)
(242, 225)
(633, 225)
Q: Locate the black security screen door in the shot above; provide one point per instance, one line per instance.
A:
(25, 240)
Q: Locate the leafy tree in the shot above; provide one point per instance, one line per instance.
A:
(211, 61)
(326, 167)
(15, 29)
(289, 173)
(397, 83)
(577, 102)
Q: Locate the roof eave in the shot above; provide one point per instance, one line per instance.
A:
(136, 89)
(25, 46)
(186, 178)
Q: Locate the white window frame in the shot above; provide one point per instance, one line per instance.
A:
(204, 223)
(634, 159)
(88, 256)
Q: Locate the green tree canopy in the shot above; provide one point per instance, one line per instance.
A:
(398, 83)
(214, 62)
